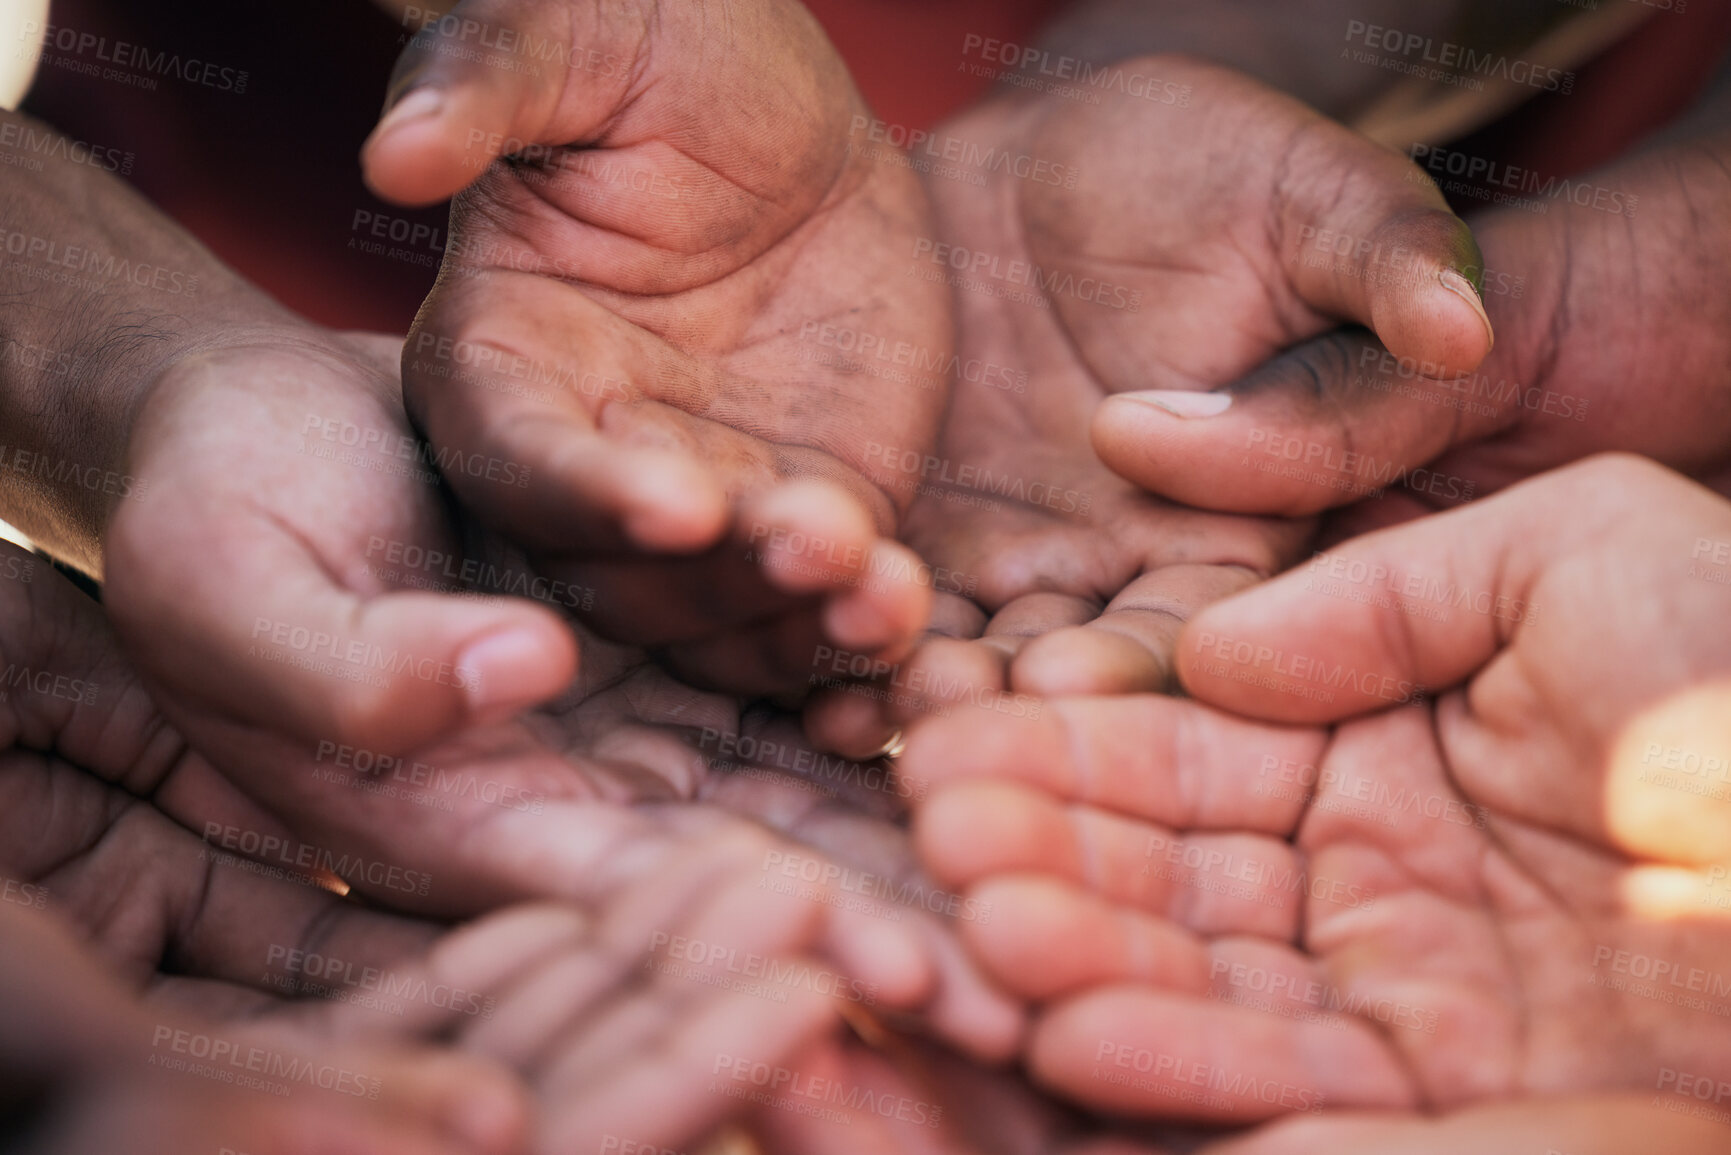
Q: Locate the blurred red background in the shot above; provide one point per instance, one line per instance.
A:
(269, 178)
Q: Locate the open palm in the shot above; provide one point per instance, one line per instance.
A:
(1512, 891)
(1163, 243)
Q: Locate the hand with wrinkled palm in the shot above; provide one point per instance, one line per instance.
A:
(1160, 246)
(1517, 890)
(1611, 318)
(659, 219)
(600, 1003)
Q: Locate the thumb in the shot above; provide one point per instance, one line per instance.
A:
(1378, 245)
(254, 628)
(495, 78)
(1390, 617)
(1327, 423)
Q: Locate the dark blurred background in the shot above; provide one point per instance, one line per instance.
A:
(268, 177)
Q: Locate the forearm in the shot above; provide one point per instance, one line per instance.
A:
(1615, 286)
(99, 291)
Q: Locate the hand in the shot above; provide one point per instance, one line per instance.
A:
(1612, 327)
(1169, 235)
(572, 802)
(127, 949)
(679, 928)
(1513, 891)
(629, 313)
(1604, 1125)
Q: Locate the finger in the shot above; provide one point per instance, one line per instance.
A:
(486, 960)
(1330, 422)
(163, 1117)
(1354, 631)
(1137, 1051)
(667, 1093)
(1412, 272)
(465, 1097)
(1606, 1125)
(594, 418)
(787, 541)
(1128, 648)
(1209, 883)
(1048, 938)
(948, 676)
(1167, 761)
(850, 719)
(1338, 227)
(958, 1002)
(273, 640)
(494, 77)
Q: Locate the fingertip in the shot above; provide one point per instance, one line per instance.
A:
(850, 724)
(515, 666)
(409, 158)
(885, 613)
(1084, 661)
(491, 1113)
(1438, 324)
(1164, 442)
(810, 537)
(890, 956)
(672, 505)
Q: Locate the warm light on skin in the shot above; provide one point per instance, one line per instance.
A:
(1684, 740)
(1666, 893)
(19, 18)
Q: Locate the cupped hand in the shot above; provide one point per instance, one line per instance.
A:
(573, 802)
(1517, 889)
(1157, 246)
(613, 1013)
(1601, 1125)
(1609, 302)
(660, 220)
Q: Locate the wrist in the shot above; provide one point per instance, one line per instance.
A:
(104, 294)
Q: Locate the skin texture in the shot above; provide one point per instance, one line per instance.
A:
(1457, 877)
(253, 515)
(1087, 583)
(602, 1008)
(678, 216)
(1611, 330)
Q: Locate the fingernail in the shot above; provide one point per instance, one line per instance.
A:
(504, 674)
(419, 104)
(1463, 288)
(1183, 404)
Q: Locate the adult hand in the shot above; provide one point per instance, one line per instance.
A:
(684, 949)
(1517, 890)
(1603, 1125)
(659, 217)
(1153, 249)
(1612, 322)
(574, 801)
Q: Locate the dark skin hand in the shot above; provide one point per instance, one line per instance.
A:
(631, 308)
(1170, 232)
(1612, 323)
(571, 801)
(607, 1021)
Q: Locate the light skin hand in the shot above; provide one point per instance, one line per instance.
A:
(1605, 1125)
(629, 306)
(1170, 234)
(1430, 905)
